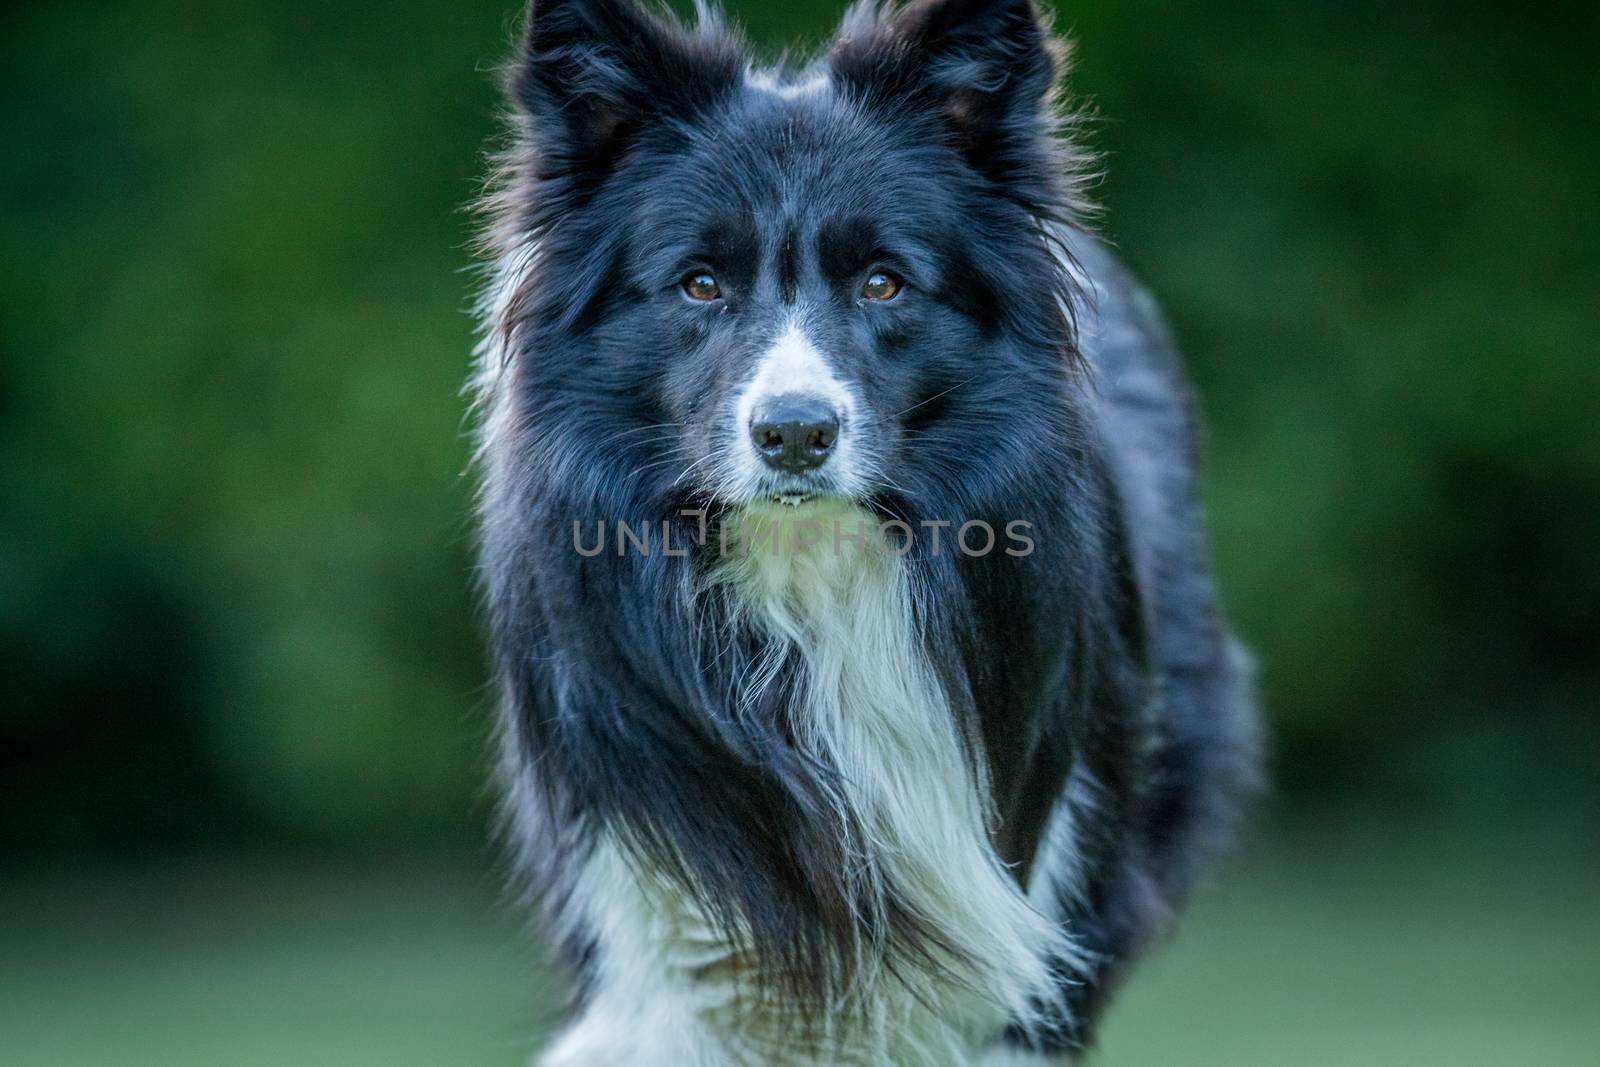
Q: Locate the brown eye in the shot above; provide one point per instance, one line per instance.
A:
(880, 285)
(702, 287)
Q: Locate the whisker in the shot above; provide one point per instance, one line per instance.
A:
(653, 426)
(672, 456)
(691, 468)
(937, 395)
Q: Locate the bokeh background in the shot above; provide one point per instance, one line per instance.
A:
(242, 716)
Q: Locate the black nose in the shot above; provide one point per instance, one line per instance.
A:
(795, 432)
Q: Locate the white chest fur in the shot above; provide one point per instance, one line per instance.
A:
(872, 709)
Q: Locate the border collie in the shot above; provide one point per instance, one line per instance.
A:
(864, 694)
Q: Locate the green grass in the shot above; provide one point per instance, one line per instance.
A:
(1378, 948)
(1340, 949)
(250, 965)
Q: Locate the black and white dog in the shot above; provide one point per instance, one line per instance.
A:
(865, 699)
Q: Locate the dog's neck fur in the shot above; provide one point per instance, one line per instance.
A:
(671, 990)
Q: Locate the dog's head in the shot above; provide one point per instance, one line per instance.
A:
(842, 281)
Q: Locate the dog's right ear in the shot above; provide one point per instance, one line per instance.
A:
(592, 74)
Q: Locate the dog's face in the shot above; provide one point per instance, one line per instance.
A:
(753, 287)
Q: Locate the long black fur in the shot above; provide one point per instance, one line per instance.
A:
(639, 152)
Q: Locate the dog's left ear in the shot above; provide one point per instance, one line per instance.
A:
(986, 68)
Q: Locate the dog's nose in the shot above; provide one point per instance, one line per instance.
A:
(795, 432)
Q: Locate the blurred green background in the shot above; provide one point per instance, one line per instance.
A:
(241, 704)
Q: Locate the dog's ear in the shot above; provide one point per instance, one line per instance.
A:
(986, 68)
(592, 74)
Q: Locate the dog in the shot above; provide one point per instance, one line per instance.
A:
(863, 694)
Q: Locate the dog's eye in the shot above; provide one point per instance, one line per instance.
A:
(880, 286)
(701, 286)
